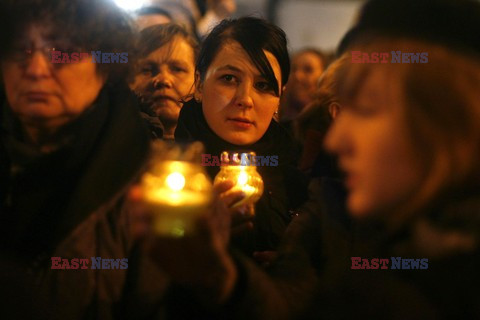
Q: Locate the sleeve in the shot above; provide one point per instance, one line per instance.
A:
(286, 289)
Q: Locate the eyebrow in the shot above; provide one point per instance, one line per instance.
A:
(155, 62)
(230, 67)
(236, 69)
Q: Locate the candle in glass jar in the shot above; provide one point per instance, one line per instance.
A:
(177, 194)
(246, 177)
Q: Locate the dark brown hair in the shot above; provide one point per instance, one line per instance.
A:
(154, 37)
(91, 25)
(254, 35)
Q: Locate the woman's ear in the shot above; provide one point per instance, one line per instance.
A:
(198, 87)
(334, 109)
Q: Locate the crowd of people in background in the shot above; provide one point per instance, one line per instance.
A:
(372, 211)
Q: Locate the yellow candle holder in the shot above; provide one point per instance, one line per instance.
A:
(244, 174)
(177, 193)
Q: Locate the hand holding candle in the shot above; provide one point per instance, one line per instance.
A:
(245, 177)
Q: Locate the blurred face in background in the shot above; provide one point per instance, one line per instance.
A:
(374, 148)
(42, 94)
(307, 67)
(165, 77)
(238, 102)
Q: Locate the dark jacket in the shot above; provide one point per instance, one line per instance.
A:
(70, 204)
(155, 126)
(285, 187)
(313, 276)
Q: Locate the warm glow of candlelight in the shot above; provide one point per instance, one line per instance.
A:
(242, 178)
(246, 179)
(177, 193)
(175, 181)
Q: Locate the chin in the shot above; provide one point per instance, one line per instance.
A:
(239, 140)
(357, 208)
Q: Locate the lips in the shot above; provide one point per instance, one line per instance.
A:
(350, 181)
(240, 119)
(350, 178)
(164, 97)
(349, 174)
(241, 123)
(37, 95)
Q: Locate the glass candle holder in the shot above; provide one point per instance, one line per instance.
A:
(177, 193)
(237, 167)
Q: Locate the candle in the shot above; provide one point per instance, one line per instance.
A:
(176, 193)
(246, 178)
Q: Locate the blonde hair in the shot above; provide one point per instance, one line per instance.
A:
(441, 110)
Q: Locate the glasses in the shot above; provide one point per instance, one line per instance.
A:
(23, 54)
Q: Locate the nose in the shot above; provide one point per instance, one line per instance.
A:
(38, 66)
(163, 79)
(243, 96)
(338, 137)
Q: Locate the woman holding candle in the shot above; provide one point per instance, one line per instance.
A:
(71, 142)
(408, 140)
(241, 71)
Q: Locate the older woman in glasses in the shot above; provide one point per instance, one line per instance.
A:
(71, 141)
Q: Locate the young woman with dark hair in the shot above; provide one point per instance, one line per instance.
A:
(241, 71)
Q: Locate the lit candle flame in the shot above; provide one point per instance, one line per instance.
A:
(242, 178)
(175, 181)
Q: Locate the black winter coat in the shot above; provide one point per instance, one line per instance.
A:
(313, 277)
(285, 187)
(70, 204)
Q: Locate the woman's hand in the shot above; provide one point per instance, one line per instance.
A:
(199, 261)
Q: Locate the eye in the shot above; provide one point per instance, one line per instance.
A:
(176, 68)
(228, 78)
(146, 70)
(66, 46)
(264, 86)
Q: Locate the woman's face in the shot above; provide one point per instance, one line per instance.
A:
(165, 77)
(44, 94)
(370, 138)
(238, 102)
(307, 68)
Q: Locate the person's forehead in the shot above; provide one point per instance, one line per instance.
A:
(40, 32)
(233, 51)
(307, 57)
(233, 54)
(176, 49)
(379, 86)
